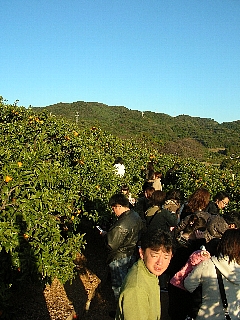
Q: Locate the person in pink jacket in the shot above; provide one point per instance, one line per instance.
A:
(195, 258)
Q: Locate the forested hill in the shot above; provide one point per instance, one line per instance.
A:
(172, 134)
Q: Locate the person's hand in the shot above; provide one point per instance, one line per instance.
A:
(199, 234)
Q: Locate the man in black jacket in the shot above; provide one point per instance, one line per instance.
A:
(122, 239)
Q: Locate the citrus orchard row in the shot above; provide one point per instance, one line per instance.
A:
(53, 176)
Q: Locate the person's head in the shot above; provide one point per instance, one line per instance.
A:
(199, 199)
(118, 160)
(229, 245)
(175, 194)
(221, 199)
(125, 189)
(158, 198)
(176, 166)
(194, 224)
(157, 175)
(119, 203)
(150, 171)
(151, 175)
(150, 166)
(156, 250)
(149, 192)
(232, 219)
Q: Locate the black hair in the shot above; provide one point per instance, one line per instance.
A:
(118, 160)
(119, 199)
(232, 218)
(220, 196)
(124, 187)
(158, 198)
(157, 239)
(149, 191)
(175, 194)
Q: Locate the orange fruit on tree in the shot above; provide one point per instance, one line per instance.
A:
(8, 178)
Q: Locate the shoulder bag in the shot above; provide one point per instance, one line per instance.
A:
(223, 294)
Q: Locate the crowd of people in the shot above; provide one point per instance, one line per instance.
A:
(189, 248)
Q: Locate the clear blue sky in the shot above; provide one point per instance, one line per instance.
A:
(170, 56)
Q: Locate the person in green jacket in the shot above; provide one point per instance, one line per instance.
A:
(140, 292)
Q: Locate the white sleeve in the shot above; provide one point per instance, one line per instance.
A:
(194, 278)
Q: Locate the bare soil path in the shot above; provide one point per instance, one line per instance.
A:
(89, 297)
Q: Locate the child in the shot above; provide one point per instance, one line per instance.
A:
(125, 190)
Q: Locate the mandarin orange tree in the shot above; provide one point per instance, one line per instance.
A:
(37, 191)
(191, 175)
(52, 177)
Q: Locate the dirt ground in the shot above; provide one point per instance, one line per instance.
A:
(89, 297)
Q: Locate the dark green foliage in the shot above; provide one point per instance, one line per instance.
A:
(182, 135)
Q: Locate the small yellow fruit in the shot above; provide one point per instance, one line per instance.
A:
(8, 178)
(75, 133)
(72, 217)
(19, 164)
(25, 236)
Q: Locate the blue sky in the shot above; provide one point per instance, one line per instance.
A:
(170, 56)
